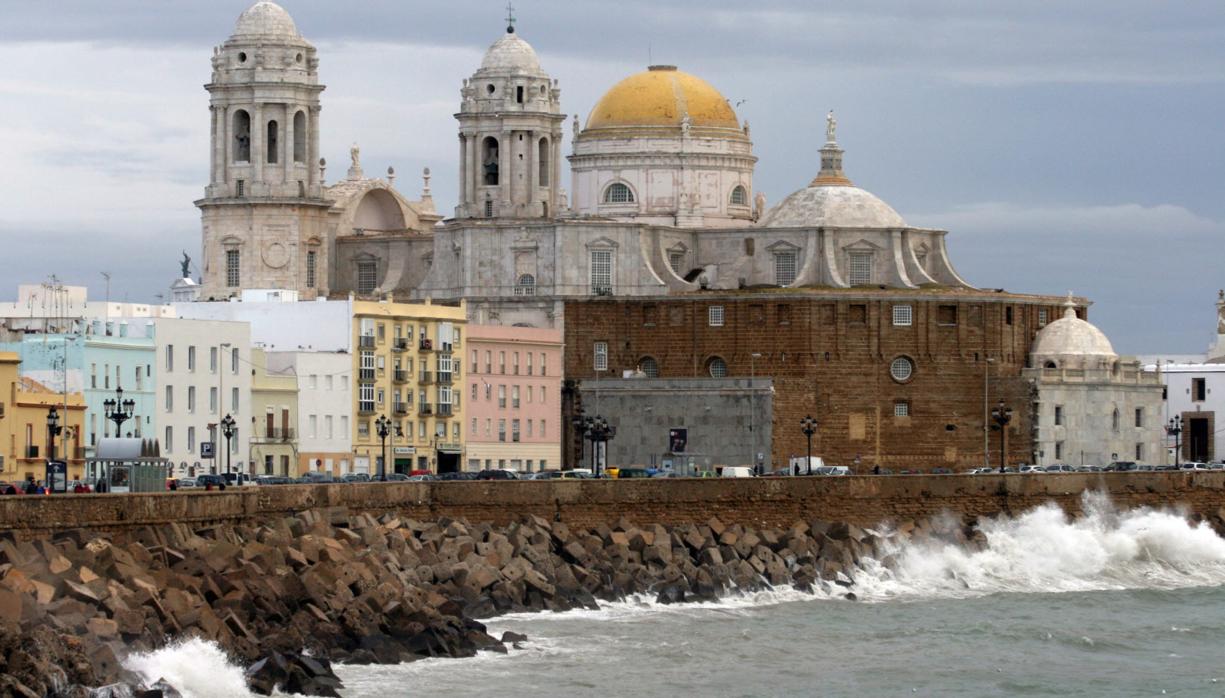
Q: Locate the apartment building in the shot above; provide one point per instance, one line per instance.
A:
(325, 405)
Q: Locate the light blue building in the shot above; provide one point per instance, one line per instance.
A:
(119, 354)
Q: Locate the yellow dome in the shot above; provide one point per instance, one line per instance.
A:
(662, 96)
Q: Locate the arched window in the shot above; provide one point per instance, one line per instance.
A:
(1051, 364)
(543, 158)
(649, 366)
(299, 137)
(242, 136)
(716, 367)
(525, 285)
(901, 369)
(272, 145)
(1114, 420)
(489, 161)
(740, 196)
(618, 193)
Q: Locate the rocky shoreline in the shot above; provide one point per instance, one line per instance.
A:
(290, 595)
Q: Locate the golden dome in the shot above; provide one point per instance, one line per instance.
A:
(662, 96)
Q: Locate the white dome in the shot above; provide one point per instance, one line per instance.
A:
(511, 53)
(833, 206)
(1069, 336)
(266, 20)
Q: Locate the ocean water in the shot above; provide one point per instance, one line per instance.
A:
(1111, 604)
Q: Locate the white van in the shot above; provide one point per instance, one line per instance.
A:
(805, 466)
(832, 470)
(736, 471)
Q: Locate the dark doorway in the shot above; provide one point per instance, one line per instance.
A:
(404, 465)
(448, 462)
(1197, 440)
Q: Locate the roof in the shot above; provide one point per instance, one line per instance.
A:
(1071, 336)
(510, 52)
(663, 96)
(833, 206)
(266, 20)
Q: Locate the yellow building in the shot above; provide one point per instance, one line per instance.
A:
(274, 419)
(24, 407)
(407, 364)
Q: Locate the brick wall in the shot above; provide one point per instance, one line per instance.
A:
(756, 501)
(829, 355)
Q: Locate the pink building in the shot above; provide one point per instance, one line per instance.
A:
(514, 398)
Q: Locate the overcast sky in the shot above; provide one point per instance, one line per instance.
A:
(1064, 145)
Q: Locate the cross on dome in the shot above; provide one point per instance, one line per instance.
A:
(1069, 306)
(510, 18)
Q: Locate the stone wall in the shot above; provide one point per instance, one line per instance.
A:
(758, 502)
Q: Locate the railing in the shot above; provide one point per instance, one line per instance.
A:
(31, 452)
(425, 408)
(365, 408)
(444, 376)
(400, 345)
(425, 378)
(365, 374)
(426, 345)
(366, 341)
(401, 408)
(400, 376)
(444, 410)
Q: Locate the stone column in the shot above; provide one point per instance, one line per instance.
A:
(257, 149)
(555, 176)
(529, 158)
(504, 170)
(212, 149)
(473, 144)
(287, 136)
(462, 192)
(312, 157)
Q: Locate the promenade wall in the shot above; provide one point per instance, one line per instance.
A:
(775, 502)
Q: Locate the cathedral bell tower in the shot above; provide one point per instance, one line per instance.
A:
(509, 135)
(263, 210)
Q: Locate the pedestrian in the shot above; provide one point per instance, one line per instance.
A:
(208, 486)
(174, 485)
(876, 469)
(10, 489)
(30, 487)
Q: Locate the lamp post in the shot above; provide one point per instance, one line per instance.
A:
(808, 425)
(53, 430)
(601, 433)
(1002, 415)
(986, 422)
(382, 427)
(582, 425)
(227, 430)
(1174, 428)
(752, 408)
(118, 410)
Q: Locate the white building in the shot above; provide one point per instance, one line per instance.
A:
(325, 402)
(1090, 405)
(204, 374)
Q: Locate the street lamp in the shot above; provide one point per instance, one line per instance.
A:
(582, 425)
(382, 427)
(1174, 428)
(1002, 415)
(808, 425)
(118, 410)
(227, 430)
(53, 430)
(753, 408)
(601, 433)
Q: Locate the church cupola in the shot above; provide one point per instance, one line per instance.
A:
(509, 135)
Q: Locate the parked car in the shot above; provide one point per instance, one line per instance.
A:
(237, 479)
(1194, 465)
(1217, 465)
(424, 477)
(356, 477)
(832, 470)
(576, 474)
(458, 476)
(497, 474)
(1120, 466)
(546, 475)
(187, 482)
(1059, 468)
(667, 473)
(1089, 468)
(397, 477)
(273, 480)
(635, 473)
(214, 481)
(312, 478)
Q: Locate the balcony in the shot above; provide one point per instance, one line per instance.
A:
(365, 407)
(425, 378)
(366, 375)
(400, 345)
(444, 409)
(401, 409)
(400, 376)
(276, 434)
(366, 341)
(425, 408)
(426, 344)
(444, 377)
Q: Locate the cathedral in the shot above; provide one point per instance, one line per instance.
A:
(663, 259)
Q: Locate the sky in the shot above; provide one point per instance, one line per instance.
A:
(1064, 146)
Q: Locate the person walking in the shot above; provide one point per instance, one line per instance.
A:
(31, 487)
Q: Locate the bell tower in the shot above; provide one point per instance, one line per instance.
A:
(510, 132)
(263, 211)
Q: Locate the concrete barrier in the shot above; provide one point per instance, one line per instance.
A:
(756, 501)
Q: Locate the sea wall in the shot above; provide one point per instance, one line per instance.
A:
(776, 502)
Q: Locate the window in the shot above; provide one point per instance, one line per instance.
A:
(93, 375)
(514, 430)
(1008, 315)
(474, 389)
(489, 208)
(272, 145)
(502, 397)
(169, 358)
(488, 361)
(169, 398)
(191, 358)
(191, 399)
(649, 366)
(601, 272)
(784, 268)
(857, 314)
(543, 159)
(169, 440)
(714, 316)
(1058, 416)
(903, 316)
(618, 193)
(234, 361)
(784, 313)
(740, 196)
(676, 260)
(1114, 420)
(234, 400)
(525, 285)
(542, 435)
(1139, 416)
(502, 362)
(242, 137)
(1199, 389)
(474, 366)
(542, 390)
(502, 430)
(240, 187)
(901, 369)
(231, 268)
(489, 163)
(901, 408)
(473, 431)
(716, 367)
(601, 356)
(327, 426)
(299, 137)
(1041, 317)
(212, 400)
(519, 98)
(488, 392)
(543, 372)
(212, 359)
(514, 396)
(191, 438)
(310, 268)
(515, 363)
(860, 268)
(367, 276)
(1058, 450)
(1139, 453)
(312, 426)
(530, 393)
(529, 363)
